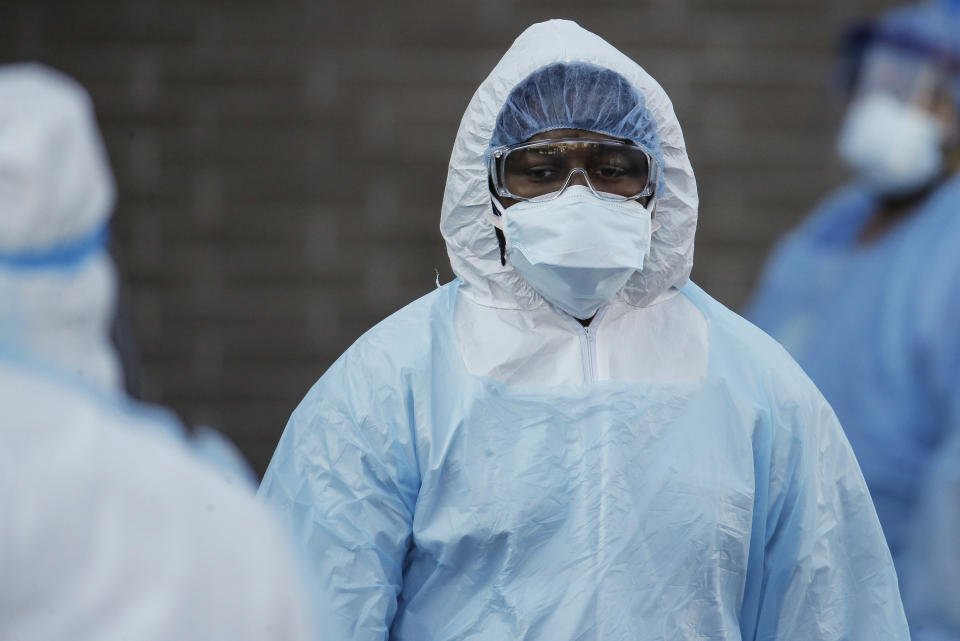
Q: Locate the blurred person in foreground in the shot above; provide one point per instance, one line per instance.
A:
(571, 440)
(110, 527)
(865, 294)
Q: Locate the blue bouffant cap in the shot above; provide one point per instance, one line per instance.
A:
(576, 96)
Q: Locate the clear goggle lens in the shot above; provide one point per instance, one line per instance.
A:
(542, 169)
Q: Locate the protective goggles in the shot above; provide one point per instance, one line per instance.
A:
(543, 169)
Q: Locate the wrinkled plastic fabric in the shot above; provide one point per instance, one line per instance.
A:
(481, 466)
(57, 282)
(442, 505)
(875, 327)
(113, 529)
(576, 96)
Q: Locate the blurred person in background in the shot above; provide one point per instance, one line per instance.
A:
(111, 527)
(571, 440)
(865, 294)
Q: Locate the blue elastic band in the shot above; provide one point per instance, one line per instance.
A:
(62, 256)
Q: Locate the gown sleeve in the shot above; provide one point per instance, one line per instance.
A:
(826, 571)
(344, 477)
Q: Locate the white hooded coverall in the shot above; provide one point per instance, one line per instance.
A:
(481, 466)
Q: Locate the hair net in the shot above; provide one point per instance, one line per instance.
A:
(576, 96)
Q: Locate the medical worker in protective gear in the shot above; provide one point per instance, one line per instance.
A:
(571, 440)
(865, 294)
(111, 527)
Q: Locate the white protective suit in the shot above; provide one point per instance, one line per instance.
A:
(110, 526)
(480, 466)
(111, 529)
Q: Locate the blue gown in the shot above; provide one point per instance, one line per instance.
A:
(442, 505)
(877, 328)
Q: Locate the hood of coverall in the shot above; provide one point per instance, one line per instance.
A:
(57, 284)
(466, 228)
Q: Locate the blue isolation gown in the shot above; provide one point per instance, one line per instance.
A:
(438, 504)
(877, 328)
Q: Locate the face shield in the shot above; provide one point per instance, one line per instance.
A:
(910, 77)
(900, 119)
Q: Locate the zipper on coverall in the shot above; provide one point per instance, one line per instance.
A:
(588, 347)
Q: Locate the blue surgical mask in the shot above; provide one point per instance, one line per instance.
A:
(577, 251)
(895, 148)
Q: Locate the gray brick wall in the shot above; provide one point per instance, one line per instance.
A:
(281, 164)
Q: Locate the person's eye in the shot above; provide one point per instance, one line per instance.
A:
(609, 172)
(541, 173)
